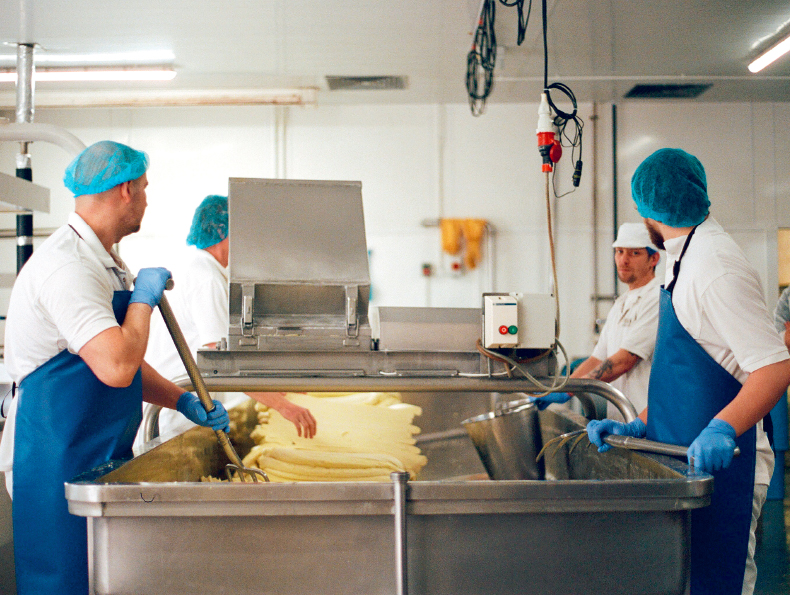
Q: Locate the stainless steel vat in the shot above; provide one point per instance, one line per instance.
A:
(614, 523)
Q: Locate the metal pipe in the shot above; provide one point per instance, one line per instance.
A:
(25, 84)
(399, 479)
(29, 132)
(24, 238)
(605, 390)
(25, 68)
(579, 386)
(596, 291)
(614, 189)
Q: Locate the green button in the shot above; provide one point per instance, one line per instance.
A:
(512, 329)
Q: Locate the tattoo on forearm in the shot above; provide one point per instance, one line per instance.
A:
(605, 367)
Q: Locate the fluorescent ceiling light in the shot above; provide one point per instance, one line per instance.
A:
(770, 55)
(168, 97)
(88, 74)
(141, 57)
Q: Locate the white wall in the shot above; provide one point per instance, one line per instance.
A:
(422, 162)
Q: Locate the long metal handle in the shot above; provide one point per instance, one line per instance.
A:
(650, 446)
(194, 373)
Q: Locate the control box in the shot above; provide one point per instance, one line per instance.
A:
(518, 320)
(500, 321)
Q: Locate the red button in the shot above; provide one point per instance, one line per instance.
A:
(503, 330)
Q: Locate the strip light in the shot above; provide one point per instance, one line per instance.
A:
(91, 74)
(770, 55)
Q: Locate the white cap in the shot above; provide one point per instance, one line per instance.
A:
(633, 235)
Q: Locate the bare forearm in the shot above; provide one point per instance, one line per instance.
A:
(759, 394)
(614, 366)
(585, 367)
(158, 390)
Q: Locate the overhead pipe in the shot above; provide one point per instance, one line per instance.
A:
(41, 132)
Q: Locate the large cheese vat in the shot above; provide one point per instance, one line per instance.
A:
(612, 523)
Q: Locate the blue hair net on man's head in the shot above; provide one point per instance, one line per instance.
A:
(102, 166)
(670, 187)
(210, 222)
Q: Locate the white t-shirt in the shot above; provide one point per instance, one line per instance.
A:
(632, 324)
(719, 301)
(61, 299)
(199, 300)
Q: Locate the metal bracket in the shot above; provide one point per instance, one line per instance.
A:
(352, 324)
(247, 308)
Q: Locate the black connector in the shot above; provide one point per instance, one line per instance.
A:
(577, 174)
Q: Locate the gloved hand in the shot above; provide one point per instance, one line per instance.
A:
(599, 428)
(189, 406)
(714, 447)
(546, 400)
(149, 285)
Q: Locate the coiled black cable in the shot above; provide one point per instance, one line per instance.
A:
(562, 118)
(481, 59)
(522, 20)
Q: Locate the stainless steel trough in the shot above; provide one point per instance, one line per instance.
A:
(612, 523)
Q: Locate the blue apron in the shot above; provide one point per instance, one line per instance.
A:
(687, 389)
(67, 422)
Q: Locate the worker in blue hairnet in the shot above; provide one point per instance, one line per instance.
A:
(200, 304)
(76, 333)
(719, 367)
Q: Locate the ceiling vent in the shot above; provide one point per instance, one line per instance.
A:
(366, 83)
(667, 91)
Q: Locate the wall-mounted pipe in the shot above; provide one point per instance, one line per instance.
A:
(41, 132)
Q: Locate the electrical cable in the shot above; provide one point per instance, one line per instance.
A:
(562, 118)
(522, 20)
(545, 388)
(481, 59)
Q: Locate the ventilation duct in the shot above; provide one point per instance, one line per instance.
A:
(366, 83)
(667, 91)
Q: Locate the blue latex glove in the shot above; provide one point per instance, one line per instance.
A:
(599, 428)
(546, 400)
(189, 406)
(714, 447)
(149, 285)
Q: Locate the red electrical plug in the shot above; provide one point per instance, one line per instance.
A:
(548, 145)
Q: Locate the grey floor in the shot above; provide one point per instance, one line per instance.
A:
(773, 545)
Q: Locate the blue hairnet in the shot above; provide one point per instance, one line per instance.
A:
(102, 166)
(670, 187)
(210, 222)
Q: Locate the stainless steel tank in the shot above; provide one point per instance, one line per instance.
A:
(616, 523)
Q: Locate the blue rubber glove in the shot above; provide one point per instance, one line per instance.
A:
(149, 285)
(546, 400)
(714, 447)
(189, 406)
(599, 428)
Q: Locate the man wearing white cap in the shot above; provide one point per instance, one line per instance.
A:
(624, 351)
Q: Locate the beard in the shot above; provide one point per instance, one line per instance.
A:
(655, 235)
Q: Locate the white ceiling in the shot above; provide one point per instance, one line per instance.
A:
(600, 48)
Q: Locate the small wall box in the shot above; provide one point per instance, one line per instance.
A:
(532, 315)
